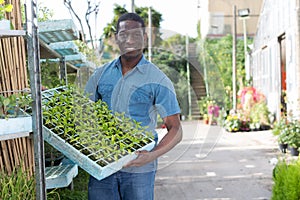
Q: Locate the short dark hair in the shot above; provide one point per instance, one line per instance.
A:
(130, 16)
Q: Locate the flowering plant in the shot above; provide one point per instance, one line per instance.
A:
(232, 123)
(204, 103)
(213, 110)
(4, 8)
(249, 96)
(293, 137)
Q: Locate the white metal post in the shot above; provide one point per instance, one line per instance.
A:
(132, 6)
(188, 76)
(245, 49)
(150, 34)
(35, 86)
(234, 61)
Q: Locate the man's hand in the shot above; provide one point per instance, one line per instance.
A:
(143, 157)
(170, 140)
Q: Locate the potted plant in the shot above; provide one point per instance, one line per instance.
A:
(213, 113)
(204, 103)
(281, 130)
(4, 8)
(294, 137)
(205, 118)
(232, 123)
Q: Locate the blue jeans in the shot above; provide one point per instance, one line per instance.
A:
(123, 186)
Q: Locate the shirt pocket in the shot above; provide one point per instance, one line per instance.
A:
(105, 90)
(140, 102)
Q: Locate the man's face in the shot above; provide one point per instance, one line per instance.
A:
(130, 39)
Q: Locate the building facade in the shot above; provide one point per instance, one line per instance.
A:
(216, 17)
(275, 58)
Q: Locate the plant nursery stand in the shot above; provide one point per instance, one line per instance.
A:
(15, 127)
(60, 176)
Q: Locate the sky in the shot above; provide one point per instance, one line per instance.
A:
(180, 17)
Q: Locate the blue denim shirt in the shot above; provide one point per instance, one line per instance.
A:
(141, 93)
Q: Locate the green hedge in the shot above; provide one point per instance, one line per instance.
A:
(286, 181)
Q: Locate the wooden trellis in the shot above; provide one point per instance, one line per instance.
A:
(13, 80)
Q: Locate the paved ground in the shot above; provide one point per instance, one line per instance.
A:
(211, 164)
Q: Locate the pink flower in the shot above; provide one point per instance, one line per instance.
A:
(213, 110)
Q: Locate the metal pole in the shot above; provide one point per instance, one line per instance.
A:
(188, 76)
(150, 35)
(132, 6)
(202, 42)
(245, 50)
(204, 68)
(234, 61)
(35, 86)
(63, 71)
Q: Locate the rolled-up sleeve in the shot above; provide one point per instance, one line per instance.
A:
(166, 100)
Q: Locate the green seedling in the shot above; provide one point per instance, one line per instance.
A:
(91, 127)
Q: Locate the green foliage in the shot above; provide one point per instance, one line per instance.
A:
(4, 8)
(286, 179)
(110, 29)
(280, 129)
(293, 133)
(173, 64)
(216, 57)
(90, 53)
(44, 13)
(50, 74)
(288, 132)
(204, 102)
(260, 114)
(11, 106)
(156, 18)
(232, 123)
(17, 186)
(80, 190)
(83, 123)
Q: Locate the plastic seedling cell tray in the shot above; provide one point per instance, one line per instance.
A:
(60, 176)
(101, 153)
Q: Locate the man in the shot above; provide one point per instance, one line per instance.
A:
(133, 85)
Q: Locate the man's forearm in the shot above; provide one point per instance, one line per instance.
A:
(169, 141)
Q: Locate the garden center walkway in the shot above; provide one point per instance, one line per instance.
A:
(211, 164)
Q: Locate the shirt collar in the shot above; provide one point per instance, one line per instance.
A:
(140, 66)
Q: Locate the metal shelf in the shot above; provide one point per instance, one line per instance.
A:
(12, 33)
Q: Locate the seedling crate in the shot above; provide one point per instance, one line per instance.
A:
(60, 176)
(87, 156)
(14, 127)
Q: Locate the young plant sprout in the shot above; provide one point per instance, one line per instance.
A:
(91, 127)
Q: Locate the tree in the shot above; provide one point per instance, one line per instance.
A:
(170, 57)
(218, 62)
(44, 13)
(90, 10)
(110, 30)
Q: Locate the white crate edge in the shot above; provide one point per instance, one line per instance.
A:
(63, 180)
(15, 125)
(83, 161)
